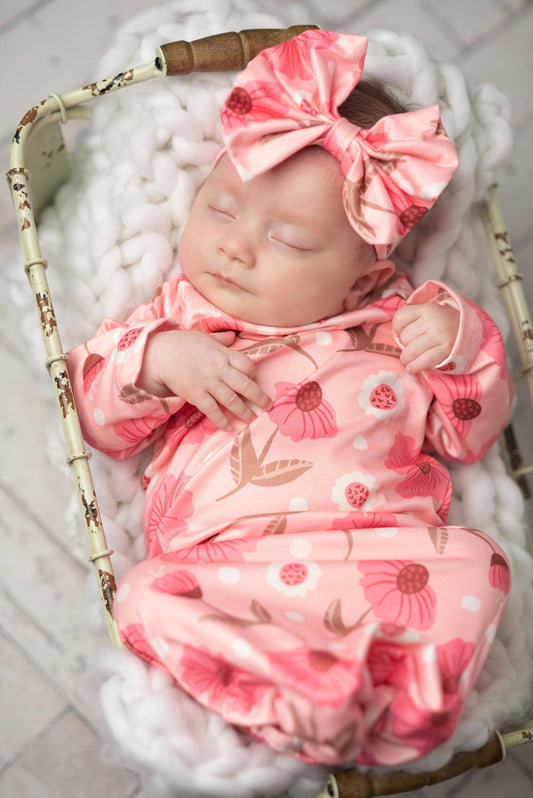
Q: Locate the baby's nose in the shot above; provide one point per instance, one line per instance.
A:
(237, 246)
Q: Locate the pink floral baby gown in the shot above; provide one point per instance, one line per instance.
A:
(300, 579)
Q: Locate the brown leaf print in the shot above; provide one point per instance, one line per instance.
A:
(352, 201)
(391, 163)
(93, 364)
(280, 472)
(243, 459)
(90, 362)
(333, 619)
(133, 395)
(276, 526)
(247, 468)
(260, 613)
(439, 537)
(261, 616)
(439, 127)
(361, 340)
(349, 538)
(269, 345)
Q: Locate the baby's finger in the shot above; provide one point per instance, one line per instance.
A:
(410, 333)
(414, 346)
(242, 362)
(424, 358)
(240, 374)
(246, 387)
(231, 401)
(224, 337)
(403, 317)
(208, 405)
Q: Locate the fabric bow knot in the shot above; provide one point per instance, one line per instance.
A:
(287, 99)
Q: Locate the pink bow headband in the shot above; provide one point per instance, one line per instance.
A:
(287, 99)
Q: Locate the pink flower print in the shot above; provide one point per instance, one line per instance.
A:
(354, 491)
(171, 506)
(424, 475)
(126, 344)
(453, 658)
(300, 411)
(257, 100)
(317, 674)
(293, 578)
(460, 398)
(92, 366)
(134, 430)
(457, 364)
(499, 574)
(135, 639)
(381, 395)
(213, 551)
(221, 685)
(178, 583)
(129, 338)
(412, 215)
(399, 592)
(291, 58)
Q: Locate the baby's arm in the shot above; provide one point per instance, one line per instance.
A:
(125, 396)
(465, 371)
(202, 370)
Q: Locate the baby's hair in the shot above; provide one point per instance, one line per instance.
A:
(368, 102)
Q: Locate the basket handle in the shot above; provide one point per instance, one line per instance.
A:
(223, 51)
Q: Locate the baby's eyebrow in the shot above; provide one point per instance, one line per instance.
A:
(221, 194)
(294, 216)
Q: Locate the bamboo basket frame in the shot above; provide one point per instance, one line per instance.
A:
(38, 153)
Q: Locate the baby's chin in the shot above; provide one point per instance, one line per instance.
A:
(244, 306)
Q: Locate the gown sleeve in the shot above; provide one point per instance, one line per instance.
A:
(472, 389)
(116, 416)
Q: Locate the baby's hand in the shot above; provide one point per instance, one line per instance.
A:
(427, 332)
(201, 369)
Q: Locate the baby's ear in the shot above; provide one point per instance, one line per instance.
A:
(376, 275)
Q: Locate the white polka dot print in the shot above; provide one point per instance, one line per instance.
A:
(471, 603)
(300, 549)
(229, 575)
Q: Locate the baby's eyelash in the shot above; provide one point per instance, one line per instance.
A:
(290, 245)
(221, 211)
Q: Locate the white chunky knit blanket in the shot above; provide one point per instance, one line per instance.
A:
(111, 238)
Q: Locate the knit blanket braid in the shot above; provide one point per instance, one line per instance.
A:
(111, 238)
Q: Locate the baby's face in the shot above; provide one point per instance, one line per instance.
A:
(277, 250)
